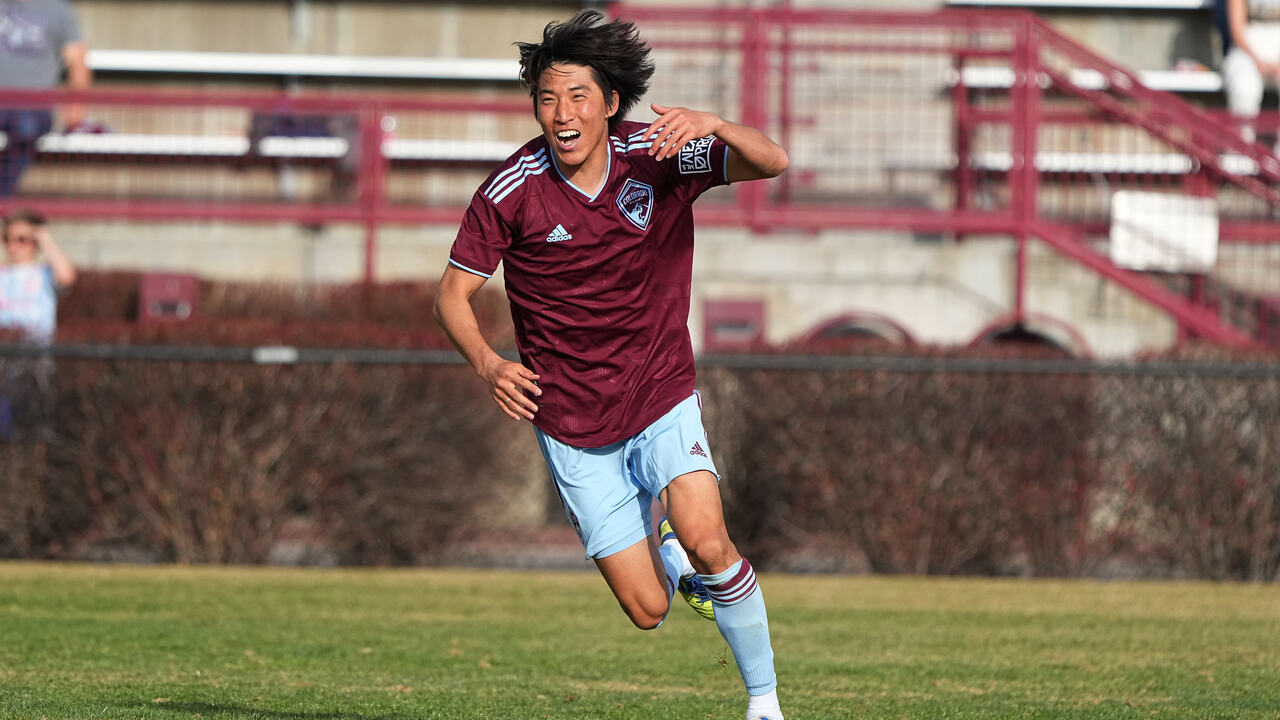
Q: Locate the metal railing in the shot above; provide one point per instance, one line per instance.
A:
(883, 115)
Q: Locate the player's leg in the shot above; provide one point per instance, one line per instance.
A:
(695, 511)
(1264, 39)
(611, 515)
(1244, 85)
(23, 128)
(641, 582)
(673, 460)
(678, 566)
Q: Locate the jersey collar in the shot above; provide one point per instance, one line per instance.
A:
(608, 169)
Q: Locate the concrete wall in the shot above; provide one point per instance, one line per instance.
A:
(940, 291)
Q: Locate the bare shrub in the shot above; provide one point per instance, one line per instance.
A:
(1201, 455)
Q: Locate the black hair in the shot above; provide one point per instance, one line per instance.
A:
(618, 58)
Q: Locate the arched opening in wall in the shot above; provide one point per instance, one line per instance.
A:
(855, 331)
(1039, 335)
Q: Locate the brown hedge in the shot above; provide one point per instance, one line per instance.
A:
(216, 463)
(1158, 474)
(1004, 472)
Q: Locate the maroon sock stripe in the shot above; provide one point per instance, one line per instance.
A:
(737, 588)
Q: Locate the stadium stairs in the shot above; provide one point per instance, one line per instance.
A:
(1206, 305)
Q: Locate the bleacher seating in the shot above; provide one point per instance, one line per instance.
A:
(151, 62)
(212, 146)
(1090, 4)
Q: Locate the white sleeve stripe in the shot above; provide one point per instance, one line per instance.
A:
(514, 169)
(515, 172)
(520, 181)
(473, 271)
(516, 181)
(505, 173)
(726, 164)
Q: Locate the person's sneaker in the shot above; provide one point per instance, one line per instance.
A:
(690, 586)
(697, 595)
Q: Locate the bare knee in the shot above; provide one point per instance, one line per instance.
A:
(645, 613)
(711, 553)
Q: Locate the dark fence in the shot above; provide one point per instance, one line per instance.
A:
(966, 467)
(1121, 470)
(168, 444)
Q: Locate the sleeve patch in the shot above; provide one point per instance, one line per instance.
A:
(695, 157)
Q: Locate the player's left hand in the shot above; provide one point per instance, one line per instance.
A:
(675, 127)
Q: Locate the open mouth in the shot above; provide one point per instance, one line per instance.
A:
(567, 139)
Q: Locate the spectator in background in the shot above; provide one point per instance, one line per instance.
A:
(29, 287)
(38, 38)
(1251, 41)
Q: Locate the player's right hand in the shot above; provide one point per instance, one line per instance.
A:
(510, 385)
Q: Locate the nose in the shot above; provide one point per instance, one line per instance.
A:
(563, 114)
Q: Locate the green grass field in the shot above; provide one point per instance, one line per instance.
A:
(284, 644)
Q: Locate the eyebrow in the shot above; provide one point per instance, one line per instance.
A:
(545, 91)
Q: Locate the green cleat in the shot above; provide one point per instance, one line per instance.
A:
(690, 587)
(697, 595)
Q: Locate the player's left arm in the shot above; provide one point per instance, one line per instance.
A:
(752, 155)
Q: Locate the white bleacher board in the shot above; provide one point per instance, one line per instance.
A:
(1198, 81)
(429, 150)
(1093, 4)
(1163, 232)
(288, 64)
(449, 150)
(143, 144)
(302, 147)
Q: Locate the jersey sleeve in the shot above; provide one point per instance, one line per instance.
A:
(699, 166)
(483, 238)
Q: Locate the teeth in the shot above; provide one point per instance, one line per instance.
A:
(568, 134)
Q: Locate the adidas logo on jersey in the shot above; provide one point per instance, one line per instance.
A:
(697, 450)
(559, 235)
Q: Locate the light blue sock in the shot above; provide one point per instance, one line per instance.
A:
(741, 616)
(673, 561)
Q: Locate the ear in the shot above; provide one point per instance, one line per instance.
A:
(613, 104)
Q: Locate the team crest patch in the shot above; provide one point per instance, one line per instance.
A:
(696, 157)
(635, 200)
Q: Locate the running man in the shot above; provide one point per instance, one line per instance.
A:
(593, 223)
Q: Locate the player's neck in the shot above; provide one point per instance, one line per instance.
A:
(590, 175)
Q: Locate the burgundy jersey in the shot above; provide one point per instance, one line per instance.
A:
(599, 284)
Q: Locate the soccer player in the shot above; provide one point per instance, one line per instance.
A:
(593, 224)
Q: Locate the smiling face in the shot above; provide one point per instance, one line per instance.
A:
(20, 242)
(574, 115)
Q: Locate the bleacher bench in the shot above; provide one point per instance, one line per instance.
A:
(291, 65)
(210, 146)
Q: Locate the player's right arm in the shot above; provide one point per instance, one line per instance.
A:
(510, 384)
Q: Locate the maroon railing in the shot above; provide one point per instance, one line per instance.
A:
(883, 128)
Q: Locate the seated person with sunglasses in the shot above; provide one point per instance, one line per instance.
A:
(29, 287)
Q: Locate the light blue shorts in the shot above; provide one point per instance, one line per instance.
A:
(608, 492)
